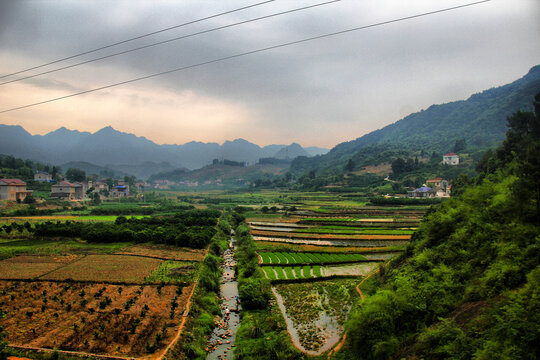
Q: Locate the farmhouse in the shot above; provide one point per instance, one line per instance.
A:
(119, 191)
(435, 182)
(43, 177)
(13, 189)
(63, 190)
(450, 159)
(422, 192)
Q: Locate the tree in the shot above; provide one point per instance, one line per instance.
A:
(460, 145)
(29, 200)
(398, 166)
(75, 175)
(350, 165)
(55, 171)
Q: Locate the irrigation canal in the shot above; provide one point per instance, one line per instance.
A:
(222, 340)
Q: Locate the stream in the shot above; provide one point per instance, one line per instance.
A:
(222, 341)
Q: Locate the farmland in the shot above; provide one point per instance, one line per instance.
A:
(308, 258)
(317, 310)
(82, 274)
(79, 316)
(122, 298)
(314, 258)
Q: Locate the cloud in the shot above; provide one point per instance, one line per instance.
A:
(341, 87)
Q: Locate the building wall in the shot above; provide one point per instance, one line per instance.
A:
(4, 192)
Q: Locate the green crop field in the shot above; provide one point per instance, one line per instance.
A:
(309, 258)
(51, 246)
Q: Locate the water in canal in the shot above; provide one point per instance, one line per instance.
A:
(222, 340)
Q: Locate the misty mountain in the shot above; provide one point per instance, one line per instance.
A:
(290, 152)
(126, 152)
(480, 121)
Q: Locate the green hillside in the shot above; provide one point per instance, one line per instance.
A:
(468, 285)
(479, 120)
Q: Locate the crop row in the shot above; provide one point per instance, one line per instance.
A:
(292, 272)
(308, 258)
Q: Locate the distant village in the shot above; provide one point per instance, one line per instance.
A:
(15, 189)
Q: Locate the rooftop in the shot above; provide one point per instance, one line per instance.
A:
(13, 181)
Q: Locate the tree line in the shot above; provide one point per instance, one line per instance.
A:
(190, 228)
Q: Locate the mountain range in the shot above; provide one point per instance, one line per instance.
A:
(479, 121)
(127, 153)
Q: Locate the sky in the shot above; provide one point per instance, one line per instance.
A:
(316, 93)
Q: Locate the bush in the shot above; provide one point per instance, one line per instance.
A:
(254, 293)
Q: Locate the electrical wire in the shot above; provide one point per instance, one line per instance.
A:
(138, 37)
(170, 40)
(250, 53)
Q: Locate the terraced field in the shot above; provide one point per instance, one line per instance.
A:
(318, 256)
(308, 258)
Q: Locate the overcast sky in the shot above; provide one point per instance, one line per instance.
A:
(318, 93)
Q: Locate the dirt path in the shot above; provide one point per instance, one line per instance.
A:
(71, 353)
(182, 323)
(184, 318)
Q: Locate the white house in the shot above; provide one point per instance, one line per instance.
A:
(451, 159)
(43, 176)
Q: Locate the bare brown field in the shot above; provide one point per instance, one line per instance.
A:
(40, 218)
(110, 268)
(381, 169)
(164, 252)
(31, 266)
(128, 320)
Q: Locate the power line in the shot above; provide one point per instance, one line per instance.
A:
(138, 37)
(249, 53)
(168, 41)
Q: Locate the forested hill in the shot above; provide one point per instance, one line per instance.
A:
(480, 120)
(468, 286)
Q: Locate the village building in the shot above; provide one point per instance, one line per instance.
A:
(63, 190)
(43, 177)
(450, 159)
(100, 185)
(435, 182)
(119, 191)
(13, 189)
(422, 192)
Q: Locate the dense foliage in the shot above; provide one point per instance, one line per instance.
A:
(467, 288)
(191, 228)
(12, 167)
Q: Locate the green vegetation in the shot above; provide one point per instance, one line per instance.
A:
(262, 334)
(52, 246)
(309, 258)
(311, 306)
(173, 271)
(205, 304)
(467, 286)
(191, 228)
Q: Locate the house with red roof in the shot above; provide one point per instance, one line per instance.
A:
(13, 189)
(450, 159)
